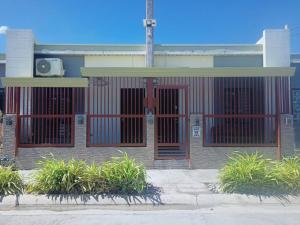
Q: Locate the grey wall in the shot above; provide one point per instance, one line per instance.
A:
(71, 63)
(238, 61)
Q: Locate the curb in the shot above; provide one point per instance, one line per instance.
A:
(199, 200)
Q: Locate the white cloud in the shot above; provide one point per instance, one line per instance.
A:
(3, 29)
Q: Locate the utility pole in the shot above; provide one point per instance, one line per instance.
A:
(149, 24)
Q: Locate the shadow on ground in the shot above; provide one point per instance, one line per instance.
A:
(151, 194)
(283, 197)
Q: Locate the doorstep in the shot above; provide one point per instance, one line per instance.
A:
(172, 164)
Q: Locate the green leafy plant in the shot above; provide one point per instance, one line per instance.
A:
(59, 177)
(246, 173)
(119, 175)
(124, 175)
(93, 180)
(10, 181)
(286, 174)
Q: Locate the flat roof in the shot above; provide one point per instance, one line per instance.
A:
(140, 49)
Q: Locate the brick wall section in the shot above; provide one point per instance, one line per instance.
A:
(287, 135)
(27, 157)
(9, 135)
(215, 157)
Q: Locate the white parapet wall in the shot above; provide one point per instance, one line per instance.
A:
(19, 53)
(276, 47)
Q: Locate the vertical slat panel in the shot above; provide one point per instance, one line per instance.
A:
(119, 118)
(241, 113)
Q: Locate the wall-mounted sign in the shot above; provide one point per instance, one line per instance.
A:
(196, 131)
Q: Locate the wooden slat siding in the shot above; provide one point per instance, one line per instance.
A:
(195, 94)
(12, 98)
(285, 93)
(116, 113)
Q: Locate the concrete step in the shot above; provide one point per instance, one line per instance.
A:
(172, 164)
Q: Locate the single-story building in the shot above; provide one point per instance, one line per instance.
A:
(168, 106)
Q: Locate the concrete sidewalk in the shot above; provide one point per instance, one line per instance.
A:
(176, 188)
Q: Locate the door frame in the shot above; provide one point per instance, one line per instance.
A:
(184, 114)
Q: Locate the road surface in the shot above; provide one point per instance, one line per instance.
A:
(221, 215)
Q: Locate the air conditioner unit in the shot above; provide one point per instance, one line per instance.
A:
(48, 67)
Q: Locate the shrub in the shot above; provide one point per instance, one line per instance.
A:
(59, 177)
(124, 175)
(10, 181)
(246, 173)
(120, 175)
(286, 174)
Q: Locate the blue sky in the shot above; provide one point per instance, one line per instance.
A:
(120, 21)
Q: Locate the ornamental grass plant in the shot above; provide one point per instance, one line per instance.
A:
(10, 181)
(124, 175)
(253, 174)
(286, 174)
(59, 177)
(120, 175)
(246, 173)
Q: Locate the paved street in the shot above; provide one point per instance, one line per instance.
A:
(223, 215)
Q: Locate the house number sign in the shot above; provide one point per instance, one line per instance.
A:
(196, 131)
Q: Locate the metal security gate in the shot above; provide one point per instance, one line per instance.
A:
(171, 122)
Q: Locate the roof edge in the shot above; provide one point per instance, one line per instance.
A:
(187, 72)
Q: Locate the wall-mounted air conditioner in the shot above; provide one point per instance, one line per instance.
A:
(48, 67)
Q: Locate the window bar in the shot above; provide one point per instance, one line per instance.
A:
(181, 117)
(136, 110)
(218, 122)
(108, 112)
(113, 80)
(95, 120)
(172, 111)
(130, 110)
(126, 111)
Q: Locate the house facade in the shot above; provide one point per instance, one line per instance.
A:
(188, 106)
